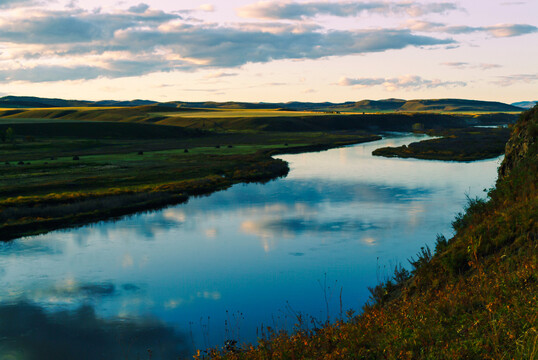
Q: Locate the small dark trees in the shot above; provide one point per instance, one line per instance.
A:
(186, 150)
(140, 153)
(76, 157)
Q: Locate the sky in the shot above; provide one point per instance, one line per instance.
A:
(269, 51)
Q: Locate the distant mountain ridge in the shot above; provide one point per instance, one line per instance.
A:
(446, 105)
(525, 104)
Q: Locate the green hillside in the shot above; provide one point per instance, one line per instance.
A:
(253, 120)
(475, 296)
(438, 105)
(435, 105)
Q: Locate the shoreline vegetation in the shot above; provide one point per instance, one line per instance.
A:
(76, 163)
(473, 296)
(468, 144)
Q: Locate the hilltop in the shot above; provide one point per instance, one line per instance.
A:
(439, 105)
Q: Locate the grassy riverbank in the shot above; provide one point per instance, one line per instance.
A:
(456, 145)
(472, 297)
(56, 175)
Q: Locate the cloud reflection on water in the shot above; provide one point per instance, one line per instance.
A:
(28, 331)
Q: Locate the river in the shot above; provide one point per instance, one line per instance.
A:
(230, 264)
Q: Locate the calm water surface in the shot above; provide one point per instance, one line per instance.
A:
(219, 267)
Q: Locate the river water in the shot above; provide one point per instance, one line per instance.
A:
(228, 265)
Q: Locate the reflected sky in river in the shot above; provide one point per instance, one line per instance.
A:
(221, 265)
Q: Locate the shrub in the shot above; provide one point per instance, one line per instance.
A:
(423, 257)
(474, 207)
(441, 243)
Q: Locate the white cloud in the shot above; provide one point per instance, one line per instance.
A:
(497, 31)
(207, 7)
(402, 82)
(278, 10)
(466, 65)
(509, 80)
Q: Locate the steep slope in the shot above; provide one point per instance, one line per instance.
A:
(474, 297)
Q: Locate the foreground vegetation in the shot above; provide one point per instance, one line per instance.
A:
(473, 297)
(457, 145)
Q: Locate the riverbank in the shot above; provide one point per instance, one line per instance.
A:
(42, 193)
(454, 145)
(472, 297)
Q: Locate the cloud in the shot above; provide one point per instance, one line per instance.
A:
(459, 65)
(139, 9)
(465, 65)
(230, 47)
(76, 26)
(219, 75)
(402, 82)
(515, 79)
(207, 7)
(75, 44)
(17, 3)
(497, 31)
(277, 10)
(509, 3)
(488, 66)
(31, 332)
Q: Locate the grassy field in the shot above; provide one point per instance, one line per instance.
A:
(456, 145)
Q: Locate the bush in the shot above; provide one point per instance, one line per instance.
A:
(423, 257)
(474, 207)
(441, 244)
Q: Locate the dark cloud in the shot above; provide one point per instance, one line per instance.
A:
(297, 11)
(29, 331)
(76, 26)
(402, 82)
(229, 47)
(141, 41)
(17, 3)
(139, 9)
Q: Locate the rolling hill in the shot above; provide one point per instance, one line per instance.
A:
(387, 105)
